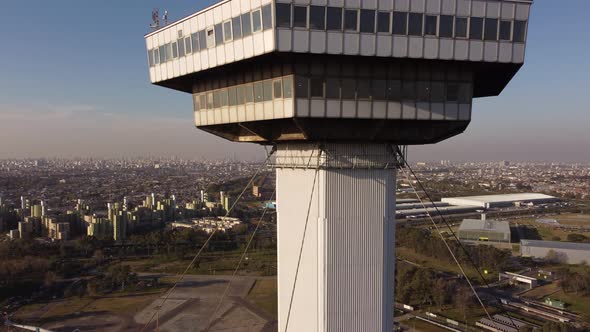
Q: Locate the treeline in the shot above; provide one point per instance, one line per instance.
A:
(574, 281)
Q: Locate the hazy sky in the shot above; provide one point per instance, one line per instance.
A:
(74, 82)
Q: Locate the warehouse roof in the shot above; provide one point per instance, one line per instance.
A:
(556, 245)
(484, 225)
(502, 198)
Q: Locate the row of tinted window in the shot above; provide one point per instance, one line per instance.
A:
(242, 94)
(238, 27)
(402, 23)
(392, 90)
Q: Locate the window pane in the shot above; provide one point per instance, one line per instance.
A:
(236, 24)
(491, 29)
(301, 87)
(300, 17)
(246, 25)
(240, 95)
(283, 15)
(227, 36)
(316, 87)
(334, 21)
(256, 21)
(151, 58)
(203, 101)
(210, 100)
(519, 31)
(218, 34)
(258, 92)
(368, 21)
(394, 91)
(267, 90)
(162, 54)
(277, 88)
(174, 50)
(461, 27)
(415, 24)
(216, 99)
(348, 88)
(430, 25)
(505, 27)
(187, 45)
(180, 44)
(464, 93)
(378, 89)
(437, 92)
(223, 97)
(445, 29)
(287, 87)
(266, 17)
(400, 23)
(232, 96)
(383, 22)
(196, 103)
(475, 28)
(333, 88)
(157, 55)
(168, 52)
(452, 92)
(363, 89)
(409, 90)
(350, 20)
(248, 93)
(423, 91)
(202, 40)
(317, 17)
(210, 38)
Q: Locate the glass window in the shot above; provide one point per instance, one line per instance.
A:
(216, 99)
(227, 35)
(240, 95)
(180, 44)
(505, 27)
(334, 19)
(464, 96)
(409, 90)
(452, 92)
(168, 52)
(300, 16)
(174, 50)
(383, 22)
(195, 42)
(218, 34)
(437, 92)
(283, 13)
(400, 23)
(394, 89)
(246, 25)
(223, 97)
(266, 17)
(277, 88)
(378, 90)
(430, 25)
(258, 92)
(461, 27)
(332, 88)
(249, 96)
(256, 21)
(350, 20)
(367, 21)
(363, 89)
(445, 29)
(151, 58)
(202, 39)
(203, 101)
(232, 96)
(301, 87)
(210, 38)
(316, 87)
(519, 32)
(475, 28)
(423, 91)
(162, 53)
(187, 45)
(267, 90)
(317, 17)
(348, 88)
(156, 55)
(196, 103)
(287, 87)
(415, 24)
(210, 100)
(236, 24)
(491, 29)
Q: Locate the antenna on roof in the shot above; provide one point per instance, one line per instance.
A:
(165, 17)
(155, 19)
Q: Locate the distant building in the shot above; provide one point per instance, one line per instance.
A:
(484, 230)
(25, 230)
(565, 252)
(501, 200)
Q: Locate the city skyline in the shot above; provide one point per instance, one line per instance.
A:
(76, 106)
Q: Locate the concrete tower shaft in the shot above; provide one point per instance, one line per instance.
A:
(345, 280)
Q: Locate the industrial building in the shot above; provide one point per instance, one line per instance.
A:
(484, 230)
(433, 211)
(501, 200)
(566, 252)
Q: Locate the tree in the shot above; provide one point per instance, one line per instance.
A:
(464, 300)
(574, 237)
(554, 257)
(439, 292)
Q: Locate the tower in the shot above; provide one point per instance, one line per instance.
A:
(335, 89)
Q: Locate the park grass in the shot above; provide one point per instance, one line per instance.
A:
(264, 295)
(415, 323)
(574, 219)
(577, 302)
